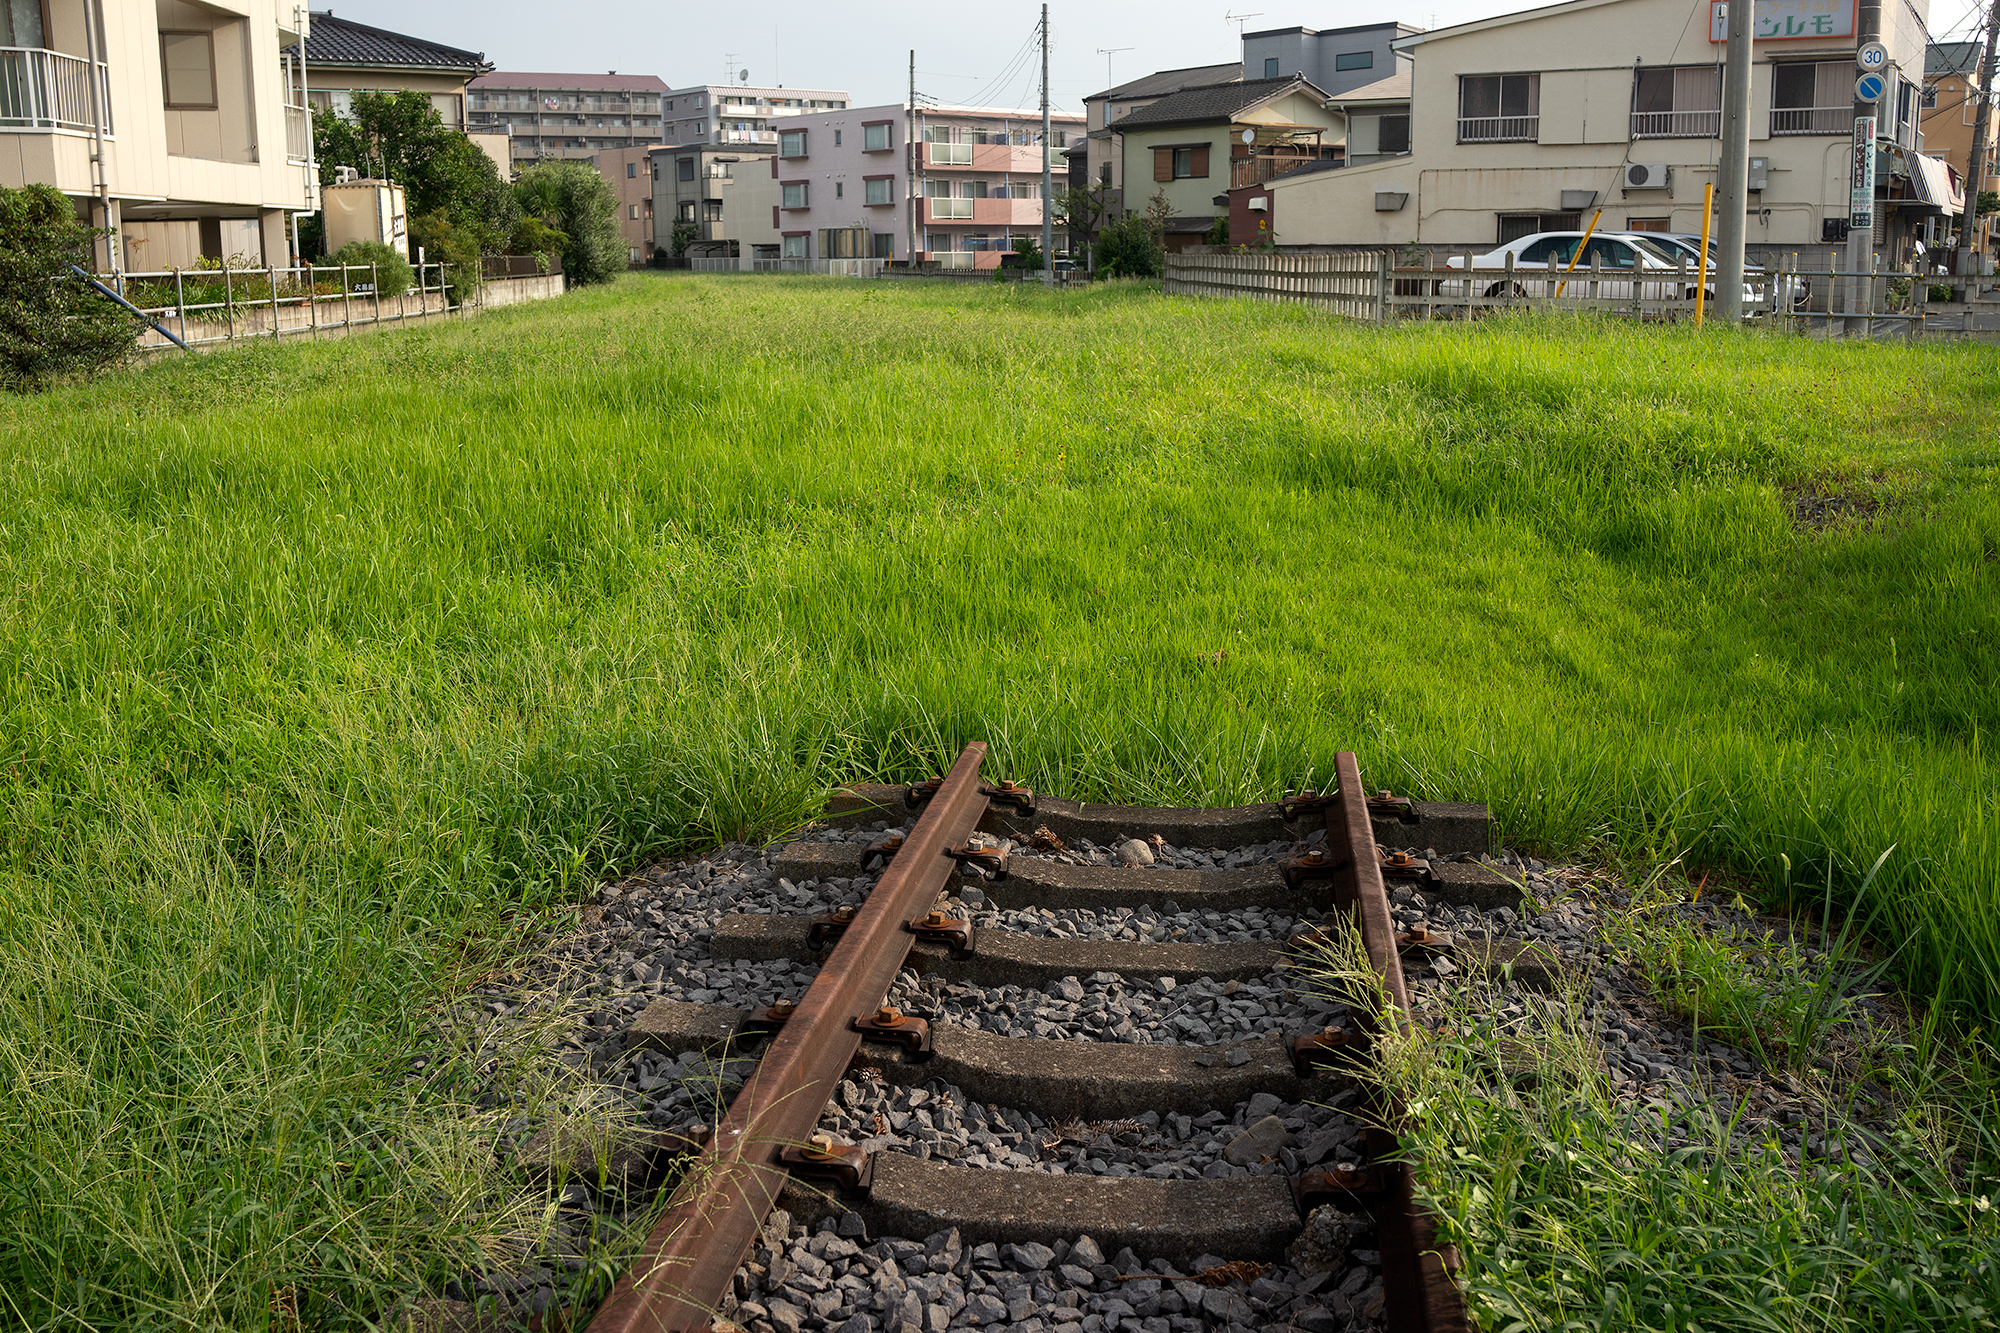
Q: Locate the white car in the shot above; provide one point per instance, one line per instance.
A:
(1633, 266)
(1795, 290)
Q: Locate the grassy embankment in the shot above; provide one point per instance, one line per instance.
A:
(318, 661)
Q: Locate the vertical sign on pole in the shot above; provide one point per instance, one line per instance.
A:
(1861, 177)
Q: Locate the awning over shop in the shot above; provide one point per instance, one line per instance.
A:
(1933, 182)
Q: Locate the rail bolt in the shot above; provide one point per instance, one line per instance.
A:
(1347, 1174)
(934, 917)
(819, 1145)
(783, 1009)
(1399, 858)
(844, 913)
(888, 1017)
(1312, 856)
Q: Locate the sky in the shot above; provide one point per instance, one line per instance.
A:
(981, 58)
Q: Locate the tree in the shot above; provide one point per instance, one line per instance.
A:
(458, 205)
(575, 200)
(52, 323)
(684, 234)
(1083, 211)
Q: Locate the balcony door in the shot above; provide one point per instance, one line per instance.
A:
(21, 23)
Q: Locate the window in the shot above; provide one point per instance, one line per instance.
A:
(972, 189)
(1180, 163)
(1499, 108)
(1649, 224)
(1270, 67)
(711, 210)
(1558, 248)
(1513, 226)
(1906, 109)
(883, 245)
(795, 247)
(684, 169)
(795, 194)
(1104, 175)
(1354, 60)
(687, 210)
(187, 65)
(1392, 134)
(1681, 103)
(840, 189)
(1930, 97)
(1812, 98)
(878, 192)
(792, 143)
(936, 189)
(1058, 138)
(874, 138)
(1613, 254)
(631, 171)
(635, 212)
(836, 138)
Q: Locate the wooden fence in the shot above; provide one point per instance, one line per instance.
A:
(1374, 286)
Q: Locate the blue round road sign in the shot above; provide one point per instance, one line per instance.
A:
(1870, 87)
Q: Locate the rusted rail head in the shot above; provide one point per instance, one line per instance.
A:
(1420, 1294)
(679, 1279)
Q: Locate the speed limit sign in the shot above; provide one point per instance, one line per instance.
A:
(1871, 57)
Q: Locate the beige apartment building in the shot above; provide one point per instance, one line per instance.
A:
(571, 117)
(1533, 121)
(195, 142)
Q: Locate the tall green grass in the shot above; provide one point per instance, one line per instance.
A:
(323, 668)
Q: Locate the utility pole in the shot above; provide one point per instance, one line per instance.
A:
(915, 153)
(1048, 194)
(1861, 226)
(1733, 197)
(1975, 169)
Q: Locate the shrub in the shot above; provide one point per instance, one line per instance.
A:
(392, 271)
(578, 202)
(53, 325)
(1128, 248)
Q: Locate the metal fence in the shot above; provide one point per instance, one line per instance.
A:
(206, 306)
(1427, 285)
(47, 90)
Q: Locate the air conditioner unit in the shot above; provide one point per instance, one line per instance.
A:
(1647, 176)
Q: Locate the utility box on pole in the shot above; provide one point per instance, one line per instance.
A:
(366, 210)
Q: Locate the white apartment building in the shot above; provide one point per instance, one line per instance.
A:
(1532, 121)
(851, 186)
(204, 137)
(738, 113)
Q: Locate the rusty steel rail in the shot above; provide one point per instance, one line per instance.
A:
(1420, 1295)
(680, 1277)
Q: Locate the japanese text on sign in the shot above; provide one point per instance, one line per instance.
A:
(1788, 20)
(1861, 175)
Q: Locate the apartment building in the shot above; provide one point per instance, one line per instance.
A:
(557, 117)
(630, 171)
(850, 186)
(1949, 104)
(1532, 121)
(739, 113)
(725, 196)
(204, 137)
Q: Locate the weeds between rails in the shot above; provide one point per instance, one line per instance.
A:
(322, 664)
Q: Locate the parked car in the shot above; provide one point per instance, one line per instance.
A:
(1793, 290)
(1642, 268)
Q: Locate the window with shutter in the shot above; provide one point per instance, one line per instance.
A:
(1200, 164)
(1163, 164)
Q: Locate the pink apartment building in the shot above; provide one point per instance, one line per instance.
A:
(851, 188)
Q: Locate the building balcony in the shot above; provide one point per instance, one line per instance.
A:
(1812, 120)
(984, 212)
(1499, 129)
(1021, 159)
(1258, 168)
(298, 135)
(47, 90)
(1676, 124)
(749, 136)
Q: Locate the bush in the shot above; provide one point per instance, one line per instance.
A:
(576, 201)
(392, 271)
(53, 325)
(1128, 248)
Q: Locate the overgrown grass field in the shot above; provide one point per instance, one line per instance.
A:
(327, 667)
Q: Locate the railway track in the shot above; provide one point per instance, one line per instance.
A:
(1048, 1033)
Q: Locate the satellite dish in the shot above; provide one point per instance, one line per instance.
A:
(1249, 136)
(744, 75)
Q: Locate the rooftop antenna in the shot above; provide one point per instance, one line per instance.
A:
(1107, 52)
(1240, 19)
(729, 68)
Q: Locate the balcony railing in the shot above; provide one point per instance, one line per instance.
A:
(1256, 170)
(1499, 129)
(298, 135)
(47, 90)
(1676, 124)
(946, 210)
(1812, 120)
(749, 136)
(948, 154)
